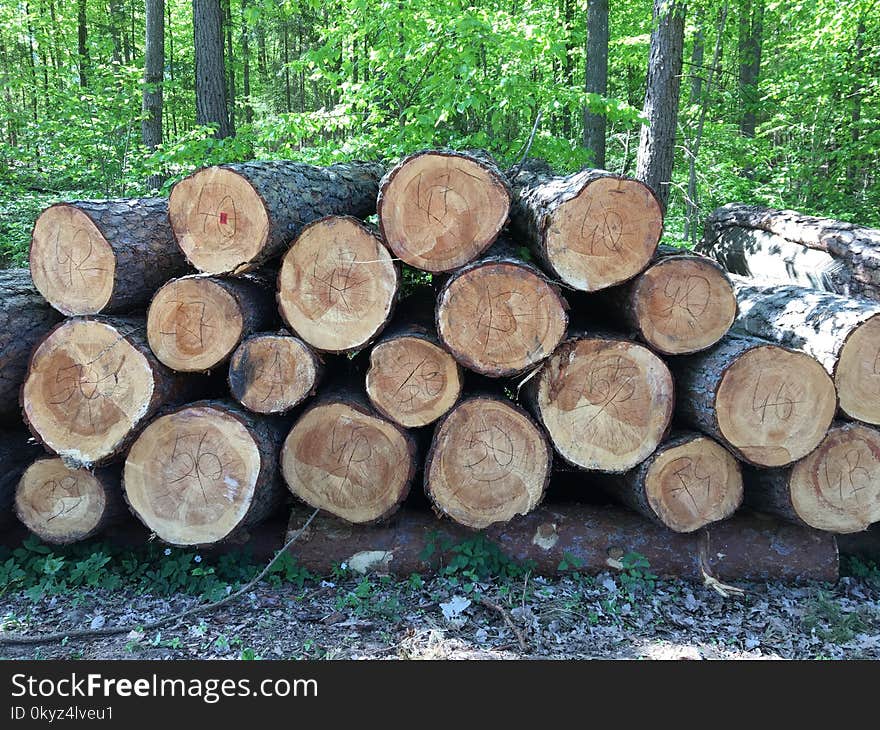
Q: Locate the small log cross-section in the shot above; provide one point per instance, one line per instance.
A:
(342, 458)
(61, 505)
(591, 229)
(232, 218)
(412, 380)
(194, 323)
(273, 372)
(835, 488)
(606, 403)
(841, 333)
(204, 473)
(337, 285)
(103, 256)
(769, 404)
(681, 304)
(499, 316)
(488, 462)
(689, 482)
(91, 385)
(438, 210)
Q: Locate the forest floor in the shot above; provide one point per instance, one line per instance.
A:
(571, 617)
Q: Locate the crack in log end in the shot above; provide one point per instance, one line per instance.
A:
(272, 373)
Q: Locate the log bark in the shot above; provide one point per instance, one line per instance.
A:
(785, 247)
(103, 256)
(24, 319)
(273, 372)
(841, 333)
(606, 403)
(232, 218)
(439, 210)
(488, 462)
(835, 488)
(205, 473)
(500, 316)
(689, 482)
(591, 229)
(17, 450)
(770, 405)
(343, 458)
(195, 323)
(588, 539)
(337, 285)
(92, 384)
(61, 505)
(679, 305)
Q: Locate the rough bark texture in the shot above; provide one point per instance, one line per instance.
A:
(596, 77)
(24, 319)
(591, 229)
(154, 75)
(16, 452)
(841, 333)
(232, 218)
(210, 66)
(770, 405)
(785, 247)
(587, 538)
(211, 451)
(103, 256)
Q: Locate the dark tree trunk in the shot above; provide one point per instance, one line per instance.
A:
(751, 29)
(154, 73)
(596, 77)
(246, 63)
(82, 38)
(210, 67)
(230, 65)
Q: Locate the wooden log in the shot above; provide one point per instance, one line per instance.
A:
(230, 219)
(585, 538)
(591, 229)
(273, 372)
(488, 462)
(92, 384)
(770, 405)
(17, 451)
(786, 247)
(500, 316)
(689, 482)
(836, 487)
(841, 333)
(205, 473)
(439, 209)
(679, 305)
(342, 457)
(606, 403)
(103, 256)
(195, 323)
(24, 319)
(61, 505)
(337, 285)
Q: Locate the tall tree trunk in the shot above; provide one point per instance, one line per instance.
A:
(751, 30)
(697, 69)
(210, 73)
(246, 63)
(117, 28)
(171, 105)
(657, 139)
(230, 65)
(154, 74)
(596, 77)
(855, 115)
(286, 70)
(82, 42)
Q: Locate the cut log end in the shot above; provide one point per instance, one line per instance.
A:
(837, 487)
(337, 285)
(438, 211)
(857, 376)
(604, 235)
(192, 474)
(193, 324)
(272, 373)
(86, 390)
(488, 463)
(219, 221)
(684, 304)
(343, 460)
(58, 504)
(605, 403)
(774, 405)
(500, 318)
(694, 484)
(72, 264)
(412, 381)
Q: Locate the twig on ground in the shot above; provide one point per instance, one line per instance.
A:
(523, 644)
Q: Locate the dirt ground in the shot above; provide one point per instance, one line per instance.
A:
(579, 617)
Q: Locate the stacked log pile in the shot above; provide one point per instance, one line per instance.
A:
(252, 342)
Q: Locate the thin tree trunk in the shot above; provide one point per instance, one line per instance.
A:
(210, 74)
(286, 70)
(751, 29)
(82, 42)
(154, 73)
(596, 77)
(171, 105)
(246, 63)
(855, 116)
(230, 65)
